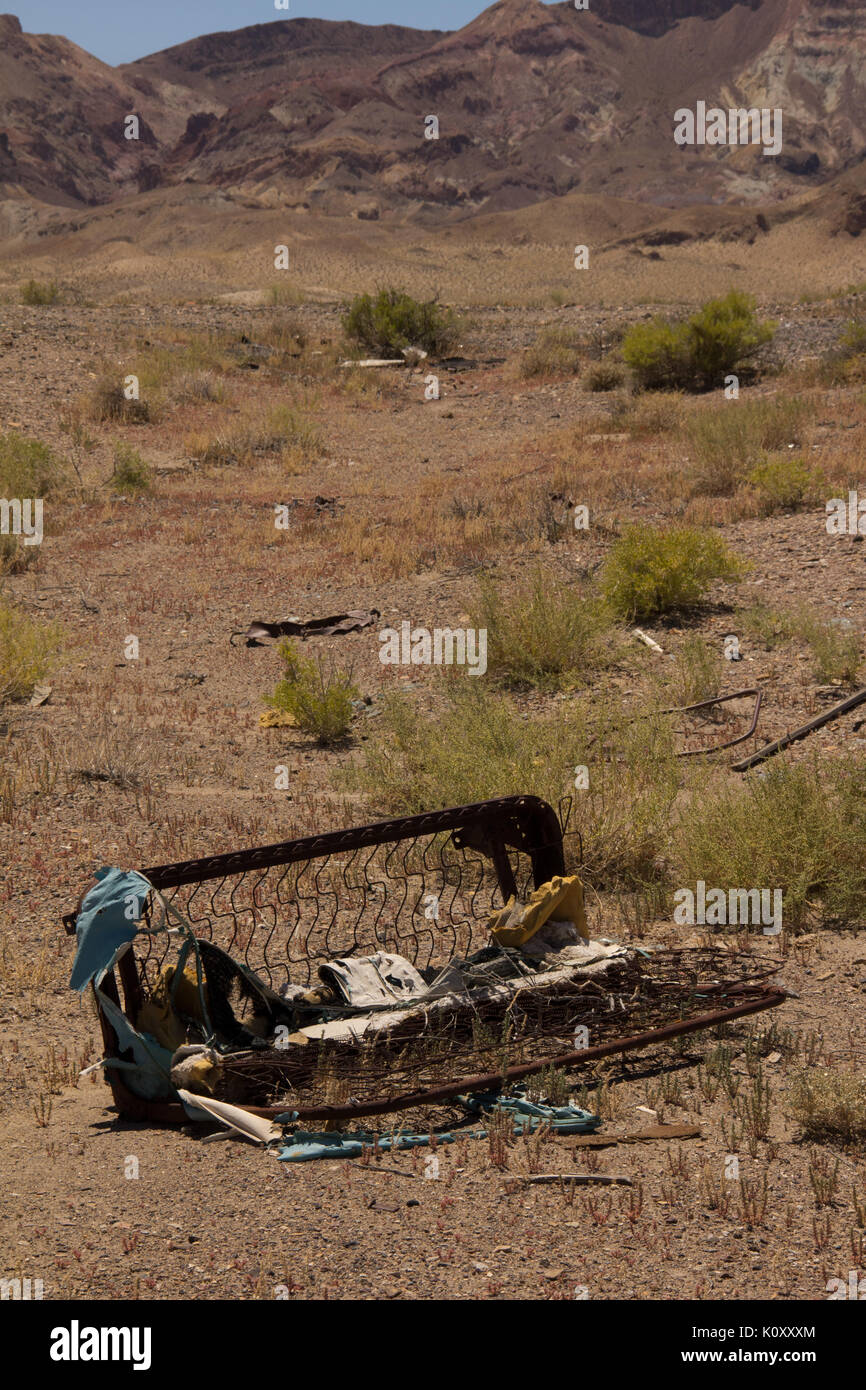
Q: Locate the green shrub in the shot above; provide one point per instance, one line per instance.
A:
(796, 826)
(651, 571)
(479, 745)
(554, 353)
(696, 355)
(830, 1105)
(39, 293)
(132, 475)
(543, 633)
(29, 468)
(27, 650)
(319, 701)
(784, 483)
(393, 320)
(835, 648)
(726, 442)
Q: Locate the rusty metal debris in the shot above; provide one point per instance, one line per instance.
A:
(770, 749)
(335, 625)
(753, 693)
(260, 924)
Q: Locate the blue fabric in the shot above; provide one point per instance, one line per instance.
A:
(302, 1146)
(528, 1116)
(149, 1073)
(104, 923)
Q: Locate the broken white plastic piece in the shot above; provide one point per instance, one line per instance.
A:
(255, 1127)
(648, 641)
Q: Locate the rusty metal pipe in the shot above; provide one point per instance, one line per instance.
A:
(803, 731)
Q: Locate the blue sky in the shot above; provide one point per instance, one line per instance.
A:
(117, 31)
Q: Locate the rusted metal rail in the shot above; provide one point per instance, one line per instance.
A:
(803, 731)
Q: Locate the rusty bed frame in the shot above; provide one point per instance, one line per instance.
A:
(284, 909)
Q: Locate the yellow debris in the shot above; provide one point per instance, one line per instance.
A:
(561, 899)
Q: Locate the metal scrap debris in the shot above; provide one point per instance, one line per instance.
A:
(334, 626)
(770, 749)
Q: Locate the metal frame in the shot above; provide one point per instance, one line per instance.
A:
(490, 829)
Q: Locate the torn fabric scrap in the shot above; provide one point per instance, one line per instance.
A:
(107, 920)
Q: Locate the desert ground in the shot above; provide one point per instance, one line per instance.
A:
(160, 526)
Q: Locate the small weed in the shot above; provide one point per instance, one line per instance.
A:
(132, 475)
(319, 700)
(830, 1106)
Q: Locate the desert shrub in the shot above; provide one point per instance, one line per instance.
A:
(285, 334)
(37, 293)
(697, 672)
(190, 388)
(108, 401)
(555, 352)
(835, 645)
(280, 293)
(29, 468)
(846, 361)
(318, 699)
(479, 745)
(132, 475)
(653, 571)
(286, 432)
(830, 1105)
(15, 556)
(797, 827)
(646, 416)
(392, 320)
(696, 354)
(784, 483)
(769, 626)
(604, 376)
(544, 632)
(108, 750)
(657, 354)
(727, 442)
(27, 650)
(289, 431)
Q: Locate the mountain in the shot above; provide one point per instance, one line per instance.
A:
(533, 101)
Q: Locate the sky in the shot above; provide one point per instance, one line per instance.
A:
(117, 32)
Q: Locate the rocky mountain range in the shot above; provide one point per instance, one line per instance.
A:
(532, 101)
